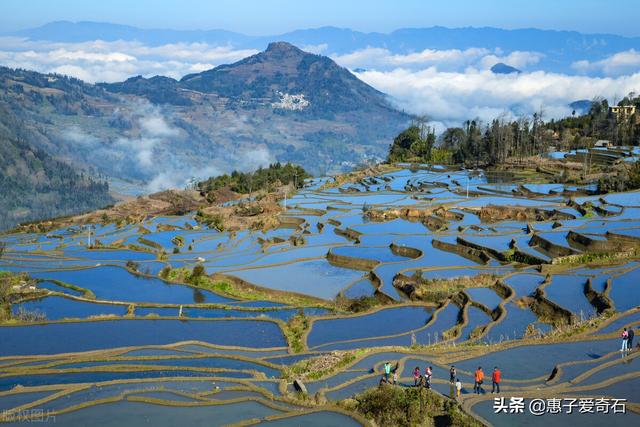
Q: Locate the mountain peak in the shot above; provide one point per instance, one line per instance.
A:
(502, 68)
(282, 48)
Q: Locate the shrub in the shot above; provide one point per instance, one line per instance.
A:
(411, 406)
(164, 273)
(132, 265)
(198, 271)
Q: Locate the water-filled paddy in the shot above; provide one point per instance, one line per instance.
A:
(9, 382)
(528, 362)
(55, 308)
(125, 413)
(568, 292)
(82, 336)
(117, 284)
(385, 322)
(317, 278)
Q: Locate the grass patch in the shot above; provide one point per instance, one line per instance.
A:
(438, 290)
(85, 292)
(358, 305)
(319, 367)
(237, 291)
(295, 329)
(596, 258)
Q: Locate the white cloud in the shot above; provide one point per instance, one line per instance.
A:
(156, 125)
(315, 48)
(621, 63)
(452, 97)
(252, 159)
(98, 61)
(518, 59)
(381, 59)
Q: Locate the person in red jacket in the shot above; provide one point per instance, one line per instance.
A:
(495, 380)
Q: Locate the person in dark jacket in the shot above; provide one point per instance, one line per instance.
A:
(630, 335)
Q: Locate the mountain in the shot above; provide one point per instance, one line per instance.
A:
(283, 68)
(65, 31)
(157, 89)
(34, 185)
(502, 68)
(282, 104)
(559, 48)
(581, 106)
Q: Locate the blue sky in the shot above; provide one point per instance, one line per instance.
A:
(261, 17)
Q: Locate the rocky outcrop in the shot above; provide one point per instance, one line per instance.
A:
(494, 213)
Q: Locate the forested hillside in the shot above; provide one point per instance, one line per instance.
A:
(34, 185)
(487, 144)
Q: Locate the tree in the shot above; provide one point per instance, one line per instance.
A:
(413, 144)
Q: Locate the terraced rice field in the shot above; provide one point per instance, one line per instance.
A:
(114, 343)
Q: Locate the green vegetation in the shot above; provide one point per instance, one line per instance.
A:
(212, 221)
(296, 328)
(7, 280)
(360, 304)
(321, 366)
(598, 123)
(262, 179)
(596, 258)
(626, 177)
(8, 295)
(411, 406)
(483, 145)
(438, 290)
(87, 293)
(234, 290)
(413, 144)
(133, 265)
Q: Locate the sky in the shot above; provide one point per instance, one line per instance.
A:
(265, 17)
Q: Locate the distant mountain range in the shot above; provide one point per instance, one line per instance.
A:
(560, 48)
(282, 104)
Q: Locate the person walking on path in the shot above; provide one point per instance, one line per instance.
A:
(625, 338)
(452, 374)
(630, 335)
(458, 387)
(387, 371)
(495, 380)
(427, 377)
(416, 376)
(478, 377)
